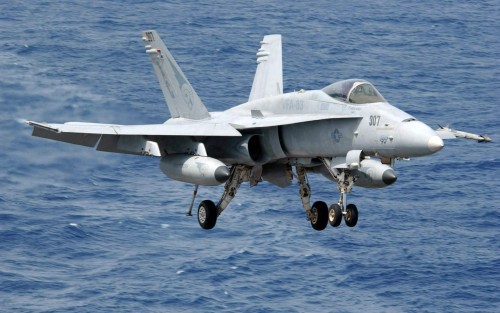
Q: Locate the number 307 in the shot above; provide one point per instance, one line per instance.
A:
(374, 120)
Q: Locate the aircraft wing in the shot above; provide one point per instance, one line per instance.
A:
(131, 139)
(268, 79)
(174, 129)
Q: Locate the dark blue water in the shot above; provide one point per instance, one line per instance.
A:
(84, 231)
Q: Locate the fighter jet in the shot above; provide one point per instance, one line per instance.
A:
(347, 132)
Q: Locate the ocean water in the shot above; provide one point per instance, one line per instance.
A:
(85, 231)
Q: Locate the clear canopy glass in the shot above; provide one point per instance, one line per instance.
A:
(355, 91)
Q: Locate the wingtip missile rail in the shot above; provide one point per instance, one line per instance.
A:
(462, 134)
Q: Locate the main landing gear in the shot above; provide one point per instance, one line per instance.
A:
(319, 214)
(208, 211)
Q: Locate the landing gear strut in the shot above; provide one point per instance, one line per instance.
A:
(345, 182)
(208, 211)
(318, 214)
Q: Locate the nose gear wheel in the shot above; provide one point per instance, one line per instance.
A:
(335, 215)
(351, 215)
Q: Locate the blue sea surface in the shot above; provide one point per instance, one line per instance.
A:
(86, 231)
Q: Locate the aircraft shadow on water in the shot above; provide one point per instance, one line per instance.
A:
(346, 131)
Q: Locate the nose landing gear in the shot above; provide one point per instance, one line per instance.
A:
(350, 214)
(319, 215)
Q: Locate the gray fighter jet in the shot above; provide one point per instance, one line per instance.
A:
(346, 131)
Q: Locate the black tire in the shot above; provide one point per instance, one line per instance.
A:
(351, 215)
(207, 214)
(319, 215)
(335, 215)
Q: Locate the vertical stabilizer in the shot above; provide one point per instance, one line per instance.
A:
(268, 79)
(182, 100)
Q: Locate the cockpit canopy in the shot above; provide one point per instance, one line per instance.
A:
(354, 91)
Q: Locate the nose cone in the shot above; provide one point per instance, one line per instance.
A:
(417, 139)
(435, 144)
